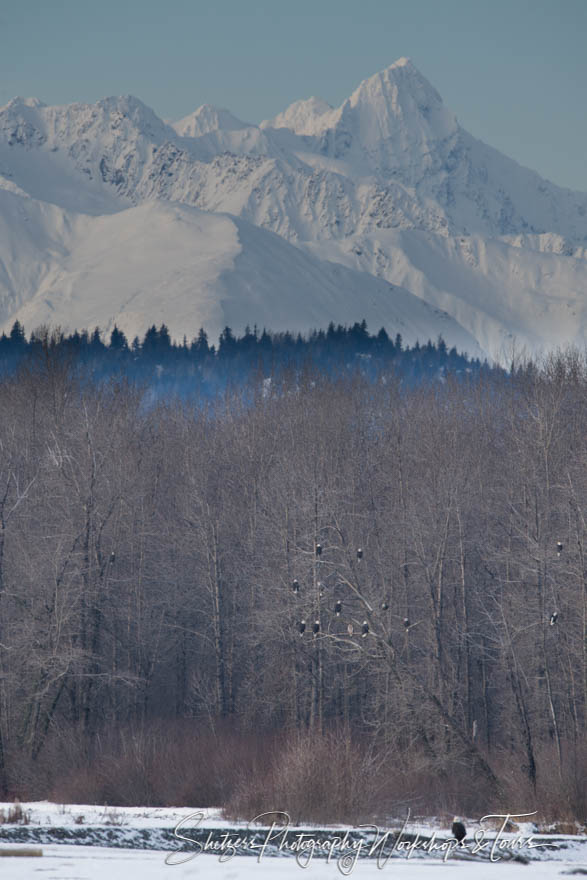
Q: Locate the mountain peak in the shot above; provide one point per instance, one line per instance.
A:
(130, 112)
(34, 103)
(398, 83)
(392, 117)
(127, 104)
(301, 116)
(18, 103)
(206, 119)
(398, 118)
(387, 184)
(402, 62)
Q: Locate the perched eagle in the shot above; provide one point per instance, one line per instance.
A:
(459, 832)
(359, 553)
(316, 627)
(338, 607)
(553, 618)
(296, 586)
(302, 627)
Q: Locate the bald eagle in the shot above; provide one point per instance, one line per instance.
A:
(364, 629)
(407, 622)
(459, 832)
(302, 627)
(559, 548)
(318, 549)
(316, 627)
(338, 607)
(296, 586)
(359, 553)
(553, 618)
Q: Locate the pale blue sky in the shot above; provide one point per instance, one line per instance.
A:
(514, 71)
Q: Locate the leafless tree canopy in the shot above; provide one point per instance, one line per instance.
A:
(437, 535)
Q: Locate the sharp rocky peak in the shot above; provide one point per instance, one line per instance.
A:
(130, 107)
(396, 107)
(399, 96)
(206, 119)
(399, 80)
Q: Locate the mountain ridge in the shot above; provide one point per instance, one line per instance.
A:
(362, 184)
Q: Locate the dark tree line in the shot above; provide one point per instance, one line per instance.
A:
(180, 368)
(157, 562)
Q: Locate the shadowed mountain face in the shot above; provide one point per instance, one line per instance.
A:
(387, 185)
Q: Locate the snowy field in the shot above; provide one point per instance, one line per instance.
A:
(101, 863)
(46, 813)
(147, 861)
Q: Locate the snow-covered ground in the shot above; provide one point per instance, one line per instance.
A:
(125, 825)
(46, 813)
(100, 863)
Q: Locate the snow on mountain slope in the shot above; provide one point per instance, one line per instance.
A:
(206, 119)
(66, 155)
(32, 238)
(173, 264)
(388, 184)
(403, 158)
(395, 127)
(156, 263)
(301, 117)
(499, 292)
(393, 123)
(308, 293)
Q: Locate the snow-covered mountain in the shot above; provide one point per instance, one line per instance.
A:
(388, 186)
(206, 119)
(163, 262)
